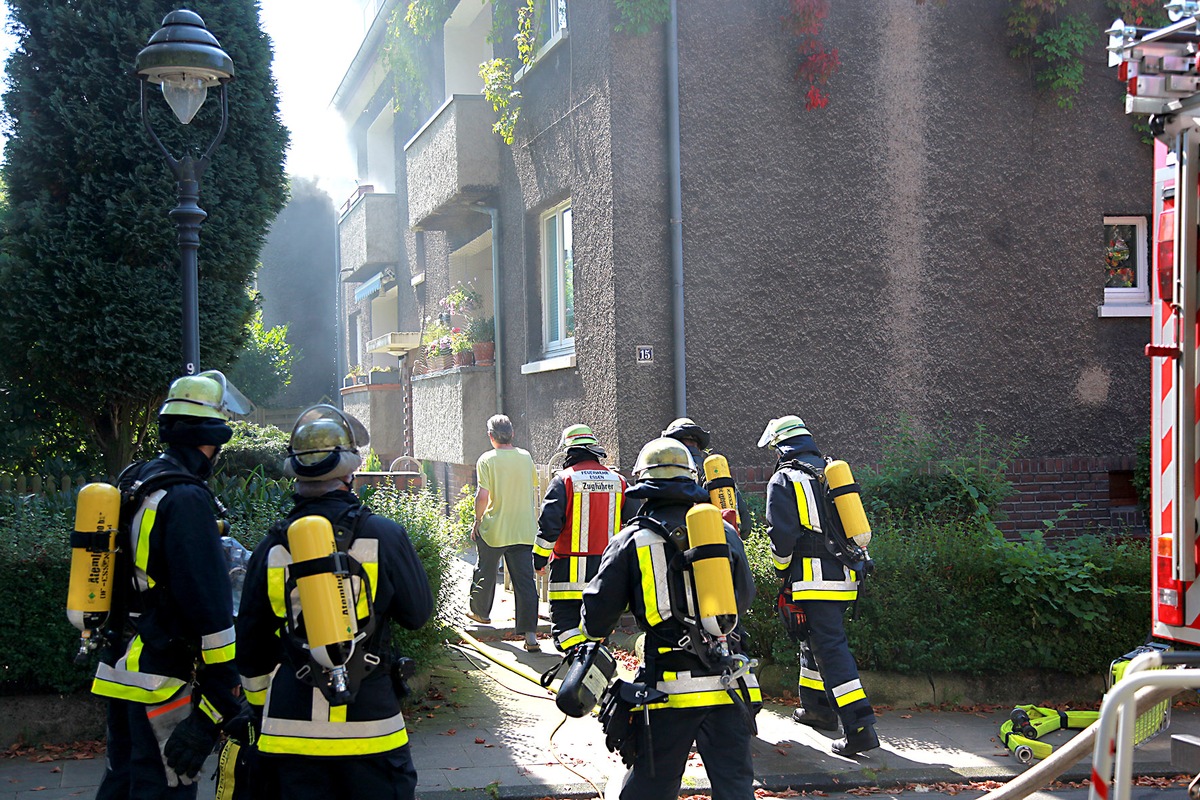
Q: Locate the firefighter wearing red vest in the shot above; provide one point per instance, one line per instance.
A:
(581, 513)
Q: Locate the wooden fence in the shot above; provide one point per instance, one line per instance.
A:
(39, 484)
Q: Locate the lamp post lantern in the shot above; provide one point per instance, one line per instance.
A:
(186, 60)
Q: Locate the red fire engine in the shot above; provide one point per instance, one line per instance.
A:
(1160, 70)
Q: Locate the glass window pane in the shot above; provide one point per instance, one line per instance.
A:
(568, 278)
(1120, 256)
(550, 276)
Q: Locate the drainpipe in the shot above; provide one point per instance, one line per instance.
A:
(339, 313)
(676, 201)
(494, 215)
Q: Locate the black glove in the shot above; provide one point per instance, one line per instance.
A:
(244, 726)
(190, 743)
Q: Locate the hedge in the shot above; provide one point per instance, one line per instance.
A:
(37, 642)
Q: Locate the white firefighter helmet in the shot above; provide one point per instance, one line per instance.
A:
(782, 429)
(324, 444)
(664, 458)
(209, 395)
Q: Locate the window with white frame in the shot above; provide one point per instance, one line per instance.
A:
(553, 20)
(1126, 264)
(558, 282)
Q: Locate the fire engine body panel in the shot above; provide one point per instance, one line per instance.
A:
(1160, 71)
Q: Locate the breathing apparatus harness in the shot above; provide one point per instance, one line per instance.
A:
(837, 544)
(1026, 724)
(340, 564)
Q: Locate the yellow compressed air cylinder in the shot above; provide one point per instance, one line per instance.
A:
(716, 468)
(326, 599)
(715, 599)
(89, 594)
(849, 505)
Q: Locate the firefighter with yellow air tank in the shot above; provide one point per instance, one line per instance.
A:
(683, 574)
(583, 509)
(167, 668)
(801, 516)
(712, 472)
(320, 592)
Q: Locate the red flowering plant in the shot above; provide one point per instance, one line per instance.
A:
(1116, 254)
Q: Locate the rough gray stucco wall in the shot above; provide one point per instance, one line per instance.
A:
(562, 150)
(381, 410)
(370, 233)
(450, 412)
(928, 245)
(456, 153)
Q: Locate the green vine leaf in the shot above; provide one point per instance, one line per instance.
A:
(639, 17)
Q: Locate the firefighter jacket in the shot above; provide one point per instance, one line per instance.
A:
(581, 513)
(296, 717)
(636, 573)
(180, 603)
(796, 509)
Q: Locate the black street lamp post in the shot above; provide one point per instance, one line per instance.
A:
(185, 59)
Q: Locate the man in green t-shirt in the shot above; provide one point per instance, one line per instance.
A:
(505, 526)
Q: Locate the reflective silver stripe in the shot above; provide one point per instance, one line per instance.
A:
(656, 547)
(583, 502)
(323, 729)
(803, 484)
(818, 582)
(545, 544)
(257, 683)
(567, 587)
(846, 688)
(219, 639)
(782, 561)
(568, 635)
(811, 674)
(684, 683)
(139, 680)
(365, 551)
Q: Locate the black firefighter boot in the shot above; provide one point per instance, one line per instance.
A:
(858, 741)
(823, 720)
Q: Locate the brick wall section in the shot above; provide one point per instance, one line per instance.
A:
(1042, 489)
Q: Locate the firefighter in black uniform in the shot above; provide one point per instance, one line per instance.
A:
(820, 585)
(700, 707)
(696, 440)
(312, 746)
(174, 687)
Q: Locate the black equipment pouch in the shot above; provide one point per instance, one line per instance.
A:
(792, 615)
(401, 670)
(622, 727)
(591, 668)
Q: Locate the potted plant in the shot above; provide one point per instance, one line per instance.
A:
(461, 299)
(379, 375)
(355, 376)
(482, 331)
(436, 344)
(460, 346)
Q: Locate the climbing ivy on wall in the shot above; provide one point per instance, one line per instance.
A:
(804, 20)
(422, 19)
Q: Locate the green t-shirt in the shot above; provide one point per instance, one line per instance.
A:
(511, 481)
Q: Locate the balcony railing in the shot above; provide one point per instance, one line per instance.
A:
(450, 412)
(452, 162)
(370, 236)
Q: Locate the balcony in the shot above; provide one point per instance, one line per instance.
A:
(452, 162)
(396, 343)
(370, 236)
(450, 411)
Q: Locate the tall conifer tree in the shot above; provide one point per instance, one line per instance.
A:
(90, 306)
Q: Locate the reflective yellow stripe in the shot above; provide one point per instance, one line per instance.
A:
(802, 502)
(255, 698)
(539, 550)
(847, 699)
(649, 593)
(566, 595)
(571, 638)
(824, 594)
(143, 545)
(221, 655)
(616, 519)
(809, 683)
(337, 713)
(307, 746)
(780, 565)
(275, 582)
(210, 710)
(709, 698)
(576, 520)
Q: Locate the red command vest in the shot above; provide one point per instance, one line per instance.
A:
(594, 498)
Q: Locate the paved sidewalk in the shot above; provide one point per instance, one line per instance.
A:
(483, 731)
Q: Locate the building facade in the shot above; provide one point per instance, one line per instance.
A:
(930, 246)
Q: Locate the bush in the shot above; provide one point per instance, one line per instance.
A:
(957, 597)
(434, 535)
(260, 448)
(926, 475)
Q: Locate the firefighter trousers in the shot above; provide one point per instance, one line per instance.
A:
(722, 735)
(387, 776)
(133, 764)
(829, 682)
